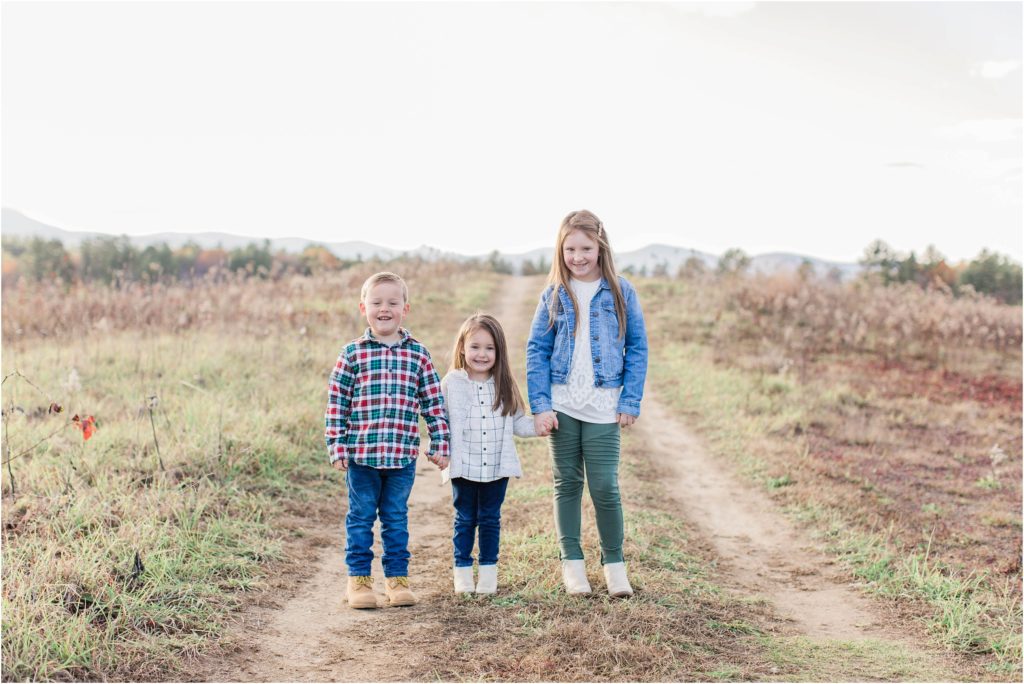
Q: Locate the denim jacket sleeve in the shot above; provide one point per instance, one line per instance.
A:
(538, 357)
(634, 363)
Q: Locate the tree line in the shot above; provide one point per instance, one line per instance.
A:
(115, 260)
(989, 273)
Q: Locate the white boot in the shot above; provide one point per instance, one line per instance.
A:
(574, 572)
(615, 578)
(464, 580)
(487, 583)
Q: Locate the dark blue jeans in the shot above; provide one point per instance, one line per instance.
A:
(373, 492)
(477, 506)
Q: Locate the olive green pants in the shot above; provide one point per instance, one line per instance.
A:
(579, 448)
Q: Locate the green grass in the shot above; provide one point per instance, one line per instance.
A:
(238, 417)
(825, 661)
(970, 612)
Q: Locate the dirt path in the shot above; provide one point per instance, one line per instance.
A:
(309, 633)
(761, 552)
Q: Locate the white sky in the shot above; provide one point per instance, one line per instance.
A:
(805, 127)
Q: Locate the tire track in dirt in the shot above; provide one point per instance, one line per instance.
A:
(309, 633)
(761, 552)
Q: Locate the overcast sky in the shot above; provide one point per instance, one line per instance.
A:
(804, 127)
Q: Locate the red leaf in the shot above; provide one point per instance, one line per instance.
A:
(87, 425)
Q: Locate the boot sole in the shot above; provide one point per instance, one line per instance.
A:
(401, 604)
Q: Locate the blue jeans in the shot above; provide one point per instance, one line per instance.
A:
(372, 492)
(477, 506)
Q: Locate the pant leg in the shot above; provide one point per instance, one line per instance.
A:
(600, 446)
(364, 489)
(394, 518)
(567, 472)
(492, 496)
(465, 498)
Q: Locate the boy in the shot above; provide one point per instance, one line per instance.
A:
(379, 386)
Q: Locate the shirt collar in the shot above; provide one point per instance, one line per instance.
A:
(368, 338)
(461, 374)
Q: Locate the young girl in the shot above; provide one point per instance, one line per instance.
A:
(485, 409)
(585, 377)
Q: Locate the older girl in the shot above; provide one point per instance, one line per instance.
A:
(586, 361)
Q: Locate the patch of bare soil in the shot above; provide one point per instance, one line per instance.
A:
(760, 550)
(310, 633)
(305, 631)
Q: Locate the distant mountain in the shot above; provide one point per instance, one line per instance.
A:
(647, 260)
(776, 262)
(15, 223)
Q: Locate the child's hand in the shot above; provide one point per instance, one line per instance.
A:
(545, 422)
(440, 461)
(625, 420)
(341, 464)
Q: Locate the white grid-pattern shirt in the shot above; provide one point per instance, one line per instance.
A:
(483, 435)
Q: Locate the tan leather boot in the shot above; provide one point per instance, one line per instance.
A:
(360, 592)
(399, 594)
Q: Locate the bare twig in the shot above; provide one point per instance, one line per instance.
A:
(220, 433)
(152, 402)
(7, 450)
(195, 387)
(31, 448)
(17, 373)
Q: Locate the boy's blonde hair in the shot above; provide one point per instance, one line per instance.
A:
(383, 277)
(585, 222)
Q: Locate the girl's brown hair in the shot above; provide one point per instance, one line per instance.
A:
(506, 392)
(585, 222)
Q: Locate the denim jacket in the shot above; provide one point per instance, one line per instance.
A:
(617, 362)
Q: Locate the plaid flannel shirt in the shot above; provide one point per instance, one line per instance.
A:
(374, 399)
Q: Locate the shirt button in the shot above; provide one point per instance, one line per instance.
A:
(598, 359)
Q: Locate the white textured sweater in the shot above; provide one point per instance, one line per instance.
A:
(459, 395)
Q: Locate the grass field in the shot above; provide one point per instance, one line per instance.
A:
(905, 460)
(206, 433)
(126, 553)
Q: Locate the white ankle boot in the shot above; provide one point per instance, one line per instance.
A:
(487, 583)
(615, 578)
(574, 572)
(464, 580)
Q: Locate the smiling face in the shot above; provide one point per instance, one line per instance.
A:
(481, 353)
(385, 308)
(580, 253)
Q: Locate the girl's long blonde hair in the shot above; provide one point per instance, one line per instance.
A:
(507, 399)
(585, 222)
